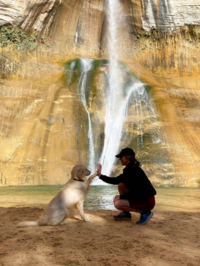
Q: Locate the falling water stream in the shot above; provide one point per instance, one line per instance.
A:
(118, 95)
(86, 66)
(115, 102)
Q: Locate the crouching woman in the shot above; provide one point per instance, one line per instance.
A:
(136, 193)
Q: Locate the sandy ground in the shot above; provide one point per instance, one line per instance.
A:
(170, 238)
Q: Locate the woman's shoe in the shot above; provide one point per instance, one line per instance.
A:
(145, 217)
(123, 216)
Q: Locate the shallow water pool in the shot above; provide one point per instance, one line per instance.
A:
(99, 197)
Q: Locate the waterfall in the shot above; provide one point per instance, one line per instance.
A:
(144, 108)
(135, 94)
(71, 72)
(118, 94)
(86, 66)
(115, 100)
(122, 91)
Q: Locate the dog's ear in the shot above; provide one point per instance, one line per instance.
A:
(81, 174)
(73, 172)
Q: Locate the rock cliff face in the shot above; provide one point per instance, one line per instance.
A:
(169, 15)
(31, 13)
(43, 123)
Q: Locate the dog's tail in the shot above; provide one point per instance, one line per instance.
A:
(26, 224)
(89, 181)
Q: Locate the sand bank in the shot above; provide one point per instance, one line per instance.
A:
(170, 238)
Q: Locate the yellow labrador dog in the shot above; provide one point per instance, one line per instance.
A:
(72, 195)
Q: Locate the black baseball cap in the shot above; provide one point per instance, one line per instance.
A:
(124, 152)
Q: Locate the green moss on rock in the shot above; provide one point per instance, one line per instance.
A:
(16, 38)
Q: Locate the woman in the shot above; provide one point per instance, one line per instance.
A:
(135, 189)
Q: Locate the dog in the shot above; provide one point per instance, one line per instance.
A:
(71, 195)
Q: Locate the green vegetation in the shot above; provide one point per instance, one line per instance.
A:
(16, 38)
(157, 39)
(147, 34)
(75, 69)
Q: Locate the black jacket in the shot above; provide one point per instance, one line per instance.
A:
(135, 180)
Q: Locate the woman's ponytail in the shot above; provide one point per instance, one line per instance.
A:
(134, 160)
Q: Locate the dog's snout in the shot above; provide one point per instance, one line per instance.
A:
(88, 172)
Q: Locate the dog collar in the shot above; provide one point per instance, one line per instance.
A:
(78, 180)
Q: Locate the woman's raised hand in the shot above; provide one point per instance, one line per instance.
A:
(99, 169)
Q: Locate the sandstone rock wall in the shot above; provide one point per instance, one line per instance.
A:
(169, 15)
(165, 15)
(43, 124)
(31, 13)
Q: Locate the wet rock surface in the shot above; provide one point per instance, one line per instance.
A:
(43, 123)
